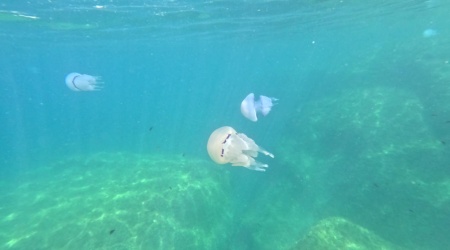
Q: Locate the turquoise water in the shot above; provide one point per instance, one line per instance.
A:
(360, 134)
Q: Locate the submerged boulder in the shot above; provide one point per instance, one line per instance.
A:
(119, 201)
(338, 233)
(369, 154)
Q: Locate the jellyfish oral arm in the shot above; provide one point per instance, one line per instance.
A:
(265, 152)
(250, 163)
(258, 166)
(92, 83)
(264, 104)
(253, 165)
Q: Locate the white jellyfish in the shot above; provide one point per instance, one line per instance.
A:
(429, 33)
(80, 82)
(225, 145)
(249, 106)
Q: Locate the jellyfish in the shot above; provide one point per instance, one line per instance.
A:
(225, 145)
(249, 106)
(429, 33)
(80, 82)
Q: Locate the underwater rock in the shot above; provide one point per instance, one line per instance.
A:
(339, 233)
(373, 148)
(119, 201)
(285, 205)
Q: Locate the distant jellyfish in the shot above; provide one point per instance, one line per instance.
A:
(429, 33)
(80, 82)
(225, 145)
(249, 106)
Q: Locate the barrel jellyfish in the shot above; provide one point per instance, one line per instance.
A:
(249, 106)
(225, 145)
(80, 82)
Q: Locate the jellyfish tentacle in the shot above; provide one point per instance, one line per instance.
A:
(251, 164)
(265, 152)
(265, 104)
(257, 166)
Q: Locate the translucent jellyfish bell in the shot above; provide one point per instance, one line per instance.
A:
(225, 145)
(80, 82)
(249, 106)
(429, 33)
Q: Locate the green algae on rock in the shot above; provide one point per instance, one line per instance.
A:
(148, 201)
(338, 233)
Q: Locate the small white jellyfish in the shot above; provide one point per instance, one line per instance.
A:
(80, 82)
(225, 145)
(249, 106)
(429, 33)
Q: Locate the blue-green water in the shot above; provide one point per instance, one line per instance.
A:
(361, 134)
